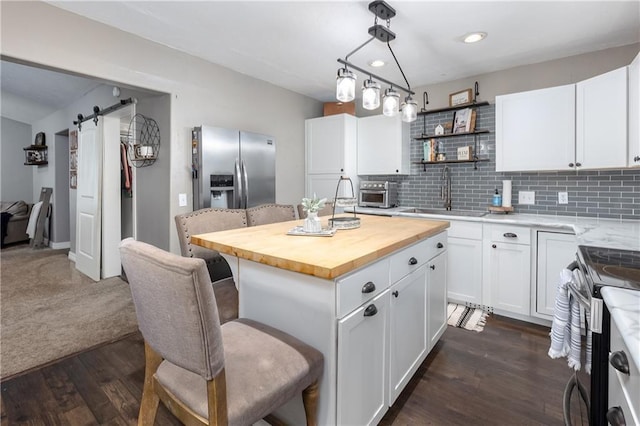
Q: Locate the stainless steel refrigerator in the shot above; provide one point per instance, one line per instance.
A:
(232, 169)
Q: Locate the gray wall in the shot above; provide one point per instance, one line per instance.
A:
(604, 194)
(16, 179)
(61, 218)
(201, 92)
(152, 188)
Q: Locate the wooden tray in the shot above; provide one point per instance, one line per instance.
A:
(497, 209)
(299, 230)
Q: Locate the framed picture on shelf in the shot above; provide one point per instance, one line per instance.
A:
(73, 140)
(462, 120)
(460, 98)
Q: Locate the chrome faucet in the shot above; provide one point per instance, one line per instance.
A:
(445, 189)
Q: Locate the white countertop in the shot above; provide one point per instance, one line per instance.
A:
(612, 233)
(624, 306)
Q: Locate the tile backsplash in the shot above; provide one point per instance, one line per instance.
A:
(603, 194)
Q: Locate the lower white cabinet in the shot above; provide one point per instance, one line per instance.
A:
(363, 346)
(554, 252)
(408, 331)
(464, 267)
(507, 268)
(436, 299)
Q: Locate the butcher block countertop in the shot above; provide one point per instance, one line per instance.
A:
(324, 257)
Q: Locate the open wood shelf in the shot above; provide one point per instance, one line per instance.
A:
(424, 163)
(454, 108)
(450, 135)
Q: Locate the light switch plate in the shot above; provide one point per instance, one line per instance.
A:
(563, 198)
(527, 197)
(182, 200)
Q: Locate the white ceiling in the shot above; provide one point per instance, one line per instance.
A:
(295, 44)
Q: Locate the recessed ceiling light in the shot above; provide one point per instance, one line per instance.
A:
(377, 63)
(474, 37)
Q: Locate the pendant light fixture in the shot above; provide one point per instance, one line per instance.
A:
(370, 94)
(345, 84)
(391, 102)
(409, 110)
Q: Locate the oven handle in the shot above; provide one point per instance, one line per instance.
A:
(573, 265)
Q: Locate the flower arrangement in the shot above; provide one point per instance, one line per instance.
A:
(312, 205)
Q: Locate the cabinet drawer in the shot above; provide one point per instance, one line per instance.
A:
(510, 234)
(351, 291)
(468, 230)
(626, 385)
(412, 257)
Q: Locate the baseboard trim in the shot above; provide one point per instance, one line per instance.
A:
(62, 245)
(72, 256)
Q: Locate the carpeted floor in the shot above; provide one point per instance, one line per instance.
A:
(49, 310)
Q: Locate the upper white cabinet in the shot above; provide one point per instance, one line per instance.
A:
(535, 130)
(601, 121)
(330, 147)
(383, 146)
(634, 113)
(579, 126)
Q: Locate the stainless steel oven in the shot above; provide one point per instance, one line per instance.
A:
(595, 268)
(381, 194)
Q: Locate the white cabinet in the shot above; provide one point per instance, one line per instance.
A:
(437, 298)
(464, 266)
(383, 146)
(507, 268)
(601, 121)
(579, 126)
(418, 300)
(554, 252)
(362, 392)
(330, 152)
(408, 331)
(634, 113)
(535, 130)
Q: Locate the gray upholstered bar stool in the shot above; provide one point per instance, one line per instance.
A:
(270, 213)
(212, 220)
(206, 373)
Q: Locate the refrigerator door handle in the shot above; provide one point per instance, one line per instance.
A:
(237, 187)
(245, 186)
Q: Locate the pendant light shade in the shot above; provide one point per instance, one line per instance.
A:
(345, 85)
(409, 110)
(370, 95)
(390, 103)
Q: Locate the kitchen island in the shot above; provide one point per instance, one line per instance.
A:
(371, 299)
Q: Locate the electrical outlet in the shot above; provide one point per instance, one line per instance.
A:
(182, 200)
(563, 198)
(526, 197)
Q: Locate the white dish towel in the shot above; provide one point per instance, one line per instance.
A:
(566, 336)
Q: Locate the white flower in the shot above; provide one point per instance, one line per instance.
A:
(313, 204)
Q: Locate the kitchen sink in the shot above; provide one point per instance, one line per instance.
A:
(468, 213)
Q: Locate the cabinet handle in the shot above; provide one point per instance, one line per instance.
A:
(619, 361)
(395, 293)
(413, 261)
(439, 245)
(615, 416)
(369, 287)
(342, 170)
(433, 267)
(571, 164)
(636, 158)
(397, 171)
(578, 164)
(370, 311)
(494, 246)
(510, 235)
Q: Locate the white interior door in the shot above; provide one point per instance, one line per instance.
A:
(88, 208)
(111, 205)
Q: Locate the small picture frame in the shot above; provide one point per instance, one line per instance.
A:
(461, 121)
(460, 98)
(39, 139)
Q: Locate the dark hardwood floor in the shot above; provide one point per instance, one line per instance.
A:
(501, 376)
